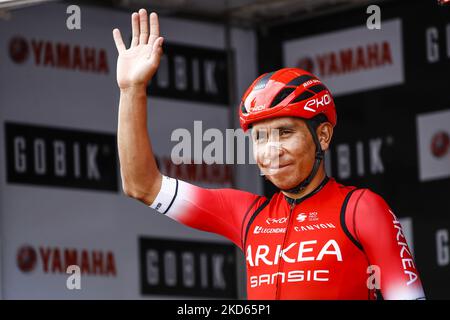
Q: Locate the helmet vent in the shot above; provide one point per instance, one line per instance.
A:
(242, 106)
(300, 80)
(281, 96)
(317, 88)
(261, 84)
(305, 95)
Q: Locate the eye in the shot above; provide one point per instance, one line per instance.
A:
(285, 132)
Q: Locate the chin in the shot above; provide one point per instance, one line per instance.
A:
(282, 184)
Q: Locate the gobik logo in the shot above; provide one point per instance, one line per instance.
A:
(192, 73)
(58, 157)
(187, 268)
(359, 159)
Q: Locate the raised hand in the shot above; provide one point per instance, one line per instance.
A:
(137, 64)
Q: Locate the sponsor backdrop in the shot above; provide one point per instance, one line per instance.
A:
(61, 201)
(393, 132)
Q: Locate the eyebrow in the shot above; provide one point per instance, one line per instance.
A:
(280, 127)
(285, 126)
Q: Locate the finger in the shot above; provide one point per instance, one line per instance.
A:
(154, 28)
(135, 29)
(143, 26)
(118, 40)
(157, 51)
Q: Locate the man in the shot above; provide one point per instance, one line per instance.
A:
(315, 239)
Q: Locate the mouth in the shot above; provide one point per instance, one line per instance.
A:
(275, 169)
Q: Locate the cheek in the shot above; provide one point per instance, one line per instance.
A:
(297, 146)
(294, 146)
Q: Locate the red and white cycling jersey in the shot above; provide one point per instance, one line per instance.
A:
(337, 242)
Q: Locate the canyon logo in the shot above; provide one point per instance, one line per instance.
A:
(59, 55)
(56, 260)
(353, 59)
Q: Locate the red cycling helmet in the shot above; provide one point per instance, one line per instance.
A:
(287, 92)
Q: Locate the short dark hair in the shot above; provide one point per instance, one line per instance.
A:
(317, 120)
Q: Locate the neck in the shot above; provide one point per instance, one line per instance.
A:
(316, 181)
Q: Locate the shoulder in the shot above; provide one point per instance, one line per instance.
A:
(372, 213)
(370, 200)
(364, 207)
(338, 187)
(357, 195)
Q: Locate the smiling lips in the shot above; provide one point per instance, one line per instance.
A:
(272, 170)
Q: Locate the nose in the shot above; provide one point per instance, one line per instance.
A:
(271, 154)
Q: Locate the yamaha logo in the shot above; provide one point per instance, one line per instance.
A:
(348, 60)
(56, 260)
(58, 55)
(26, 259)
(18, 50)
(307, 64)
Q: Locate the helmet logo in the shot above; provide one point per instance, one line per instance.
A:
(316, 103)
(258, 108)
(310, 82)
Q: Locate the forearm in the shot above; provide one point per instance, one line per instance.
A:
(141, 178)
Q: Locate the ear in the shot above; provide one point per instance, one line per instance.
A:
(325, 133)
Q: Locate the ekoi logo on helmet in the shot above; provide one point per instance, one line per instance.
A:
(257, 108)
(314, 104)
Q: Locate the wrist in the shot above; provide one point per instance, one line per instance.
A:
(134, 89)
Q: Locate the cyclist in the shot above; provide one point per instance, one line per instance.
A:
(315, 238)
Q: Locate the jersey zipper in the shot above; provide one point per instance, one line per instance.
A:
(281, 261)
(286, 236)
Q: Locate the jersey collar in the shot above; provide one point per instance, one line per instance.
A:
(292, 201)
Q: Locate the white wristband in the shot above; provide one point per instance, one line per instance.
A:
(166, 194)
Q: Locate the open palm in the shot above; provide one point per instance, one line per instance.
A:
(137, 64)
